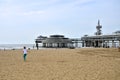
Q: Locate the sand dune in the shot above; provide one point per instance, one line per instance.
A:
(61, 64)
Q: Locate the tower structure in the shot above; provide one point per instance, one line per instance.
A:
(98, 27)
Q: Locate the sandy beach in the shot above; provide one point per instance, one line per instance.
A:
(61, 64)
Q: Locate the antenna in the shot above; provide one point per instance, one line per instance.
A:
(98, 27)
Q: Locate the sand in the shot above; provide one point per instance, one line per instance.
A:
(61, 64)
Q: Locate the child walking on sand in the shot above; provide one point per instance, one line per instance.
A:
(24, 53)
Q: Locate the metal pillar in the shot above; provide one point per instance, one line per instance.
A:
(82, 43)
(46, 44)
(86, 43)
(107, 43)
(103, 43)
(37, 46)
(94, 43)
(112, 43)
(98, 43)
(76, 44)
(119, 43)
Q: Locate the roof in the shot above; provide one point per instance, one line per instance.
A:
(117, 32)
(57, 36)
(57, 40)
(104, 37)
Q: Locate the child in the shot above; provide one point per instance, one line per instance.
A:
(24, 53)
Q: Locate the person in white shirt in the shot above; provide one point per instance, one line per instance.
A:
(24, 53)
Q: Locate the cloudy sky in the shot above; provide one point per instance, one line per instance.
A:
(21, 21)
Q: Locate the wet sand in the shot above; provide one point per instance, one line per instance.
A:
(61, 64)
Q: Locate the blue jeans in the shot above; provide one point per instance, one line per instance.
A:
(24, 56)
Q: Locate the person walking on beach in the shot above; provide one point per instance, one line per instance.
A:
(24, 53)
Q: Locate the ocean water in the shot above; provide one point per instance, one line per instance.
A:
(16, 46)
(20, 46)
(33, 46)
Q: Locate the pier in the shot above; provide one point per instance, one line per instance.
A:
(97, 40)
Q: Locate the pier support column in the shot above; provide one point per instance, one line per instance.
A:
(37, 46)
(94, 43)
(108, 44)
(112, 43)
(103, 43)
(98, 43)
(76, 44)
(90, 44)
(53, 45)
(46, 44)
(119, 43)
(82, 43)
(85, 43)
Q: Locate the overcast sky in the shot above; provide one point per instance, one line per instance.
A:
(21, 21)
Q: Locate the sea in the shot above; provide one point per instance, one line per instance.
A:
(32, 46)
(20, 46)
(16, 46)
